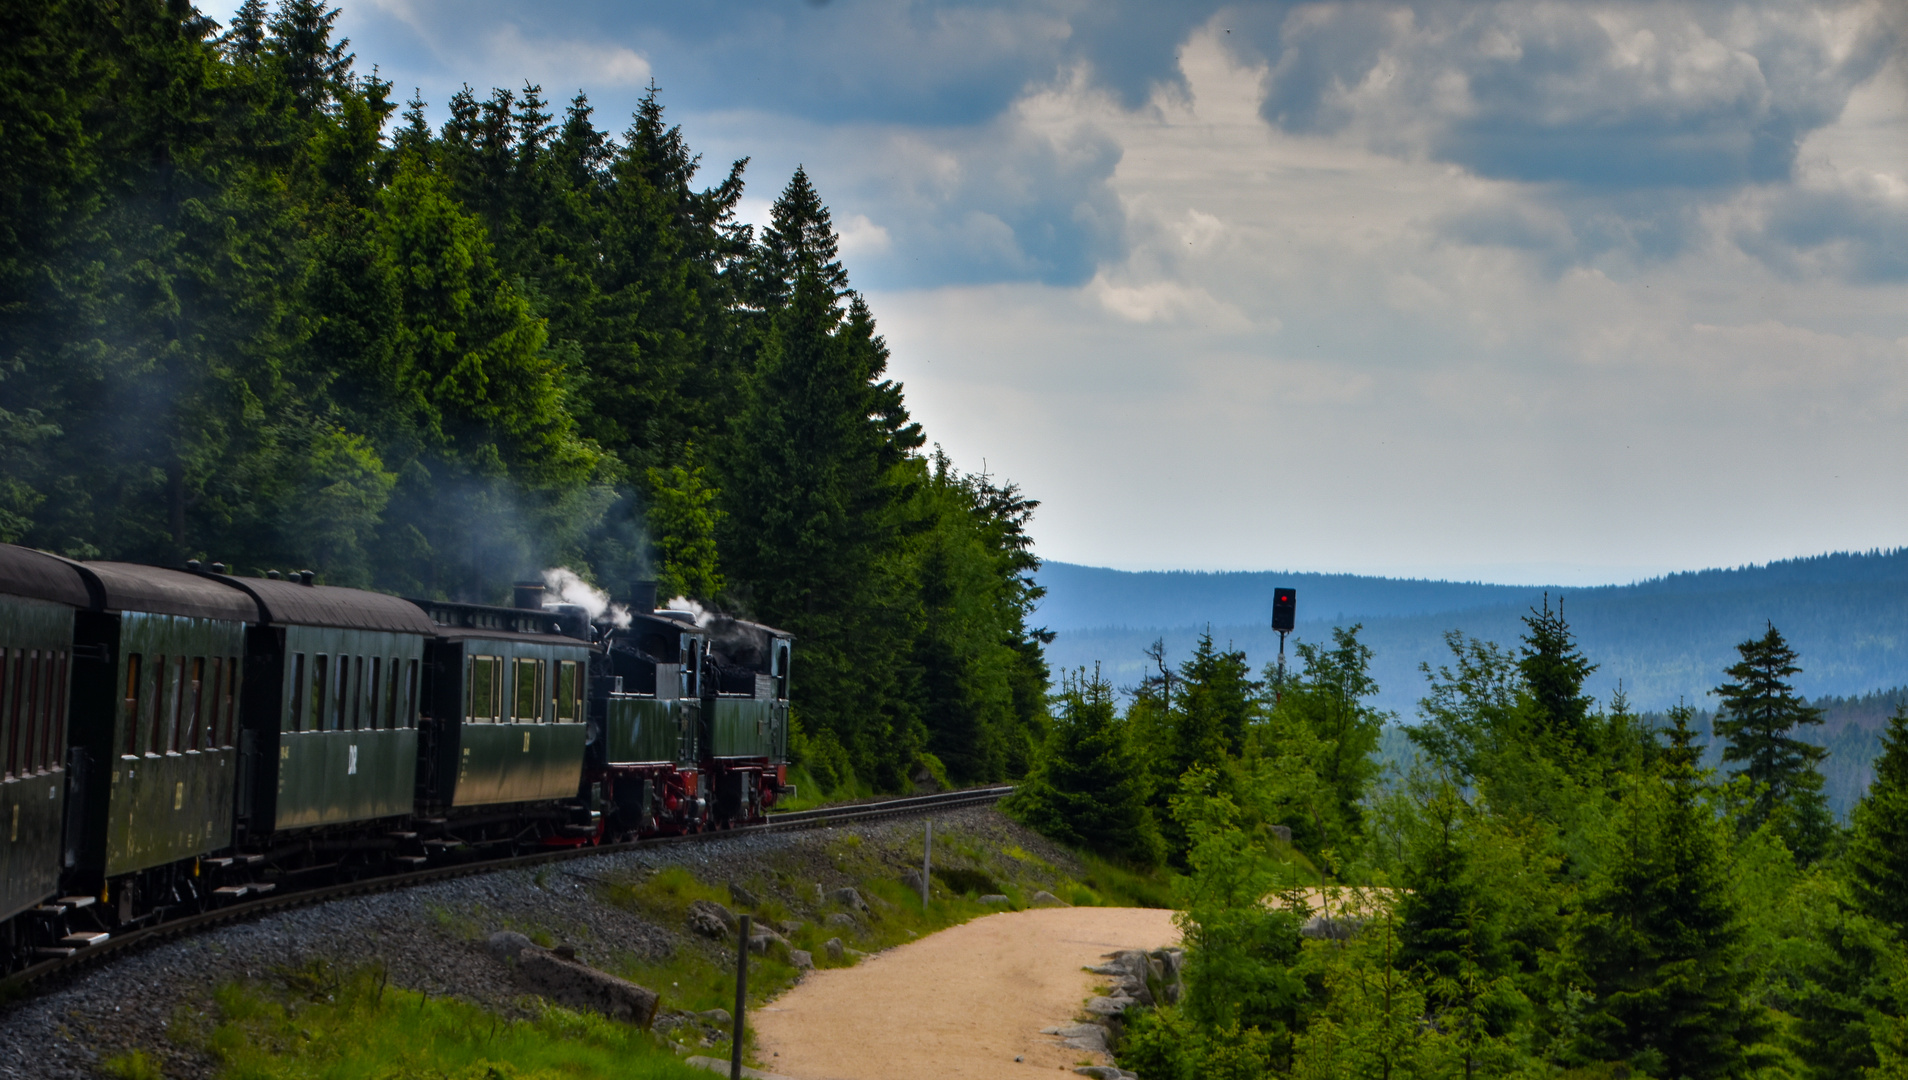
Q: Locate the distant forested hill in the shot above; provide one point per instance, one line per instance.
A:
(1666, 638)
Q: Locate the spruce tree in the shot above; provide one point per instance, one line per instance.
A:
(1215, 705)
(1448, 923)
(1328, 697)
(1877, 858)
(817, 474)
(1086, 787)
(1554, 671)
(1659, 938)
(1759, 714)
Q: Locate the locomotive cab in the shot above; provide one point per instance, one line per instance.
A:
(649, 694)
(745, 718)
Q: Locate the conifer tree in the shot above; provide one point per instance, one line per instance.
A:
(1328, 697)
(1759, 715)
(813, 486)
(1877, 859)
(1554, 671)
(1214, 707)
(313, 66)
(683, 519)
(1659, 937)
(1086, 787)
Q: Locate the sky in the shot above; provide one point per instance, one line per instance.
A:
(1533, 291)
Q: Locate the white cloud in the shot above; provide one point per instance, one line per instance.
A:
(564, 63)
(1388, 389)
(860, 236)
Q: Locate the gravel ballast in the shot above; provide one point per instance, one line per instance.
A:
(430, 938)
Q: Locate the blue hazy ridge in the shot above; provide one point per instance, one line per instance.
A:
(1666, 639)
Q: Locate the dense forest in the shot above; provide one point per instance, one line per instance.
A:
(1535, 885)
(254, 310)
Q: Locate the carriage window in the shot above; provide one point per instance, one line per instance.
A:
(131, 699)
(320, 682)
(8, 679)
(392, 718)
(194, 714)
(55, 743)
(42, 730)
(357, 695)
(410, 694)
(214, 704)
(297, 720)
(155, 722)
(340, 695)
(9, 714)
(165, 736)
(568, 682)
(23, 746)
(484, 696)
(373, 697)
(231, 702)
(527, 702)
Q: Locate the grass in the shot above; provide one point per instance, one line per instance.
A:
(321, 1024)
(809, 794)
(1110, 884)
(137, 1065)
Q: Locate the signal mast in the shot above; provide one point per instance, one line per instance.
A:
(1284, 612)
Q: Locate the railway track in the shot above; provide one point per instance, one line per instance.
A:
(16, 985)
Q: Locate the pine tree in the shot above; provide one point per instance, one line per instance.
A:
(1215, 705)
(1086, 787)
(1554, 671)
(1760, 712)
(800, 239)
(1659, 938)
(1877, 859)
(312, 65)
(816, 477)
(1329, 698)
(683, 520)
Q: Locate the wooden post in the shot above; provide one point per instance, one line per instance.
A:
(927, 864)
(741, 1000)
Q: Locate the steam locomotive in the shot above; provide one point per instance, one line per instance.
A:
(173, 740)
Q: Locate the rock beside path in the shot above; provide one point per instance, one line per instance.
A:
(711, 920)
(580, 986)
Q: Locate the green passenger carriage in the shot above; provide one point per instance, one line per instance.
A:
(38, 596)
(333, 678)
(502, 719)
(156, 684)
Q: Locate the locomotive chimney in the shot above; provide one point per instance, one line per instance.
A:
(642, 596)
(529, 595)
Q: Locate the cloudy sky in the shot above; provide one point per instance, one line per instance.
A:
(1527, 291)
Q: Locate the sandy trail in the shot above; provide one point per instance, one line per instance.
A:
(957, 1004)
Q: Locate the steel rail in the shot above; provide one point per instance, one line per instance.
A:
(12, 985)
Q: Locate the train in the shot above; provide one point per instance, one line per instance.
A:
(176, 739)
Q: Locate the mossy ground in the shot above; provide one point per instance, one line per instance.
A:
(319, 1023)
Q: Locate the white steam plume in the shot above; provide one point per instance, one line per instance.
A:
(703, 616)
(563, 586)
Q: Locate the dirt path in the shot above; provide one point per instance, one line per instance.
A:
(959, 1004)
